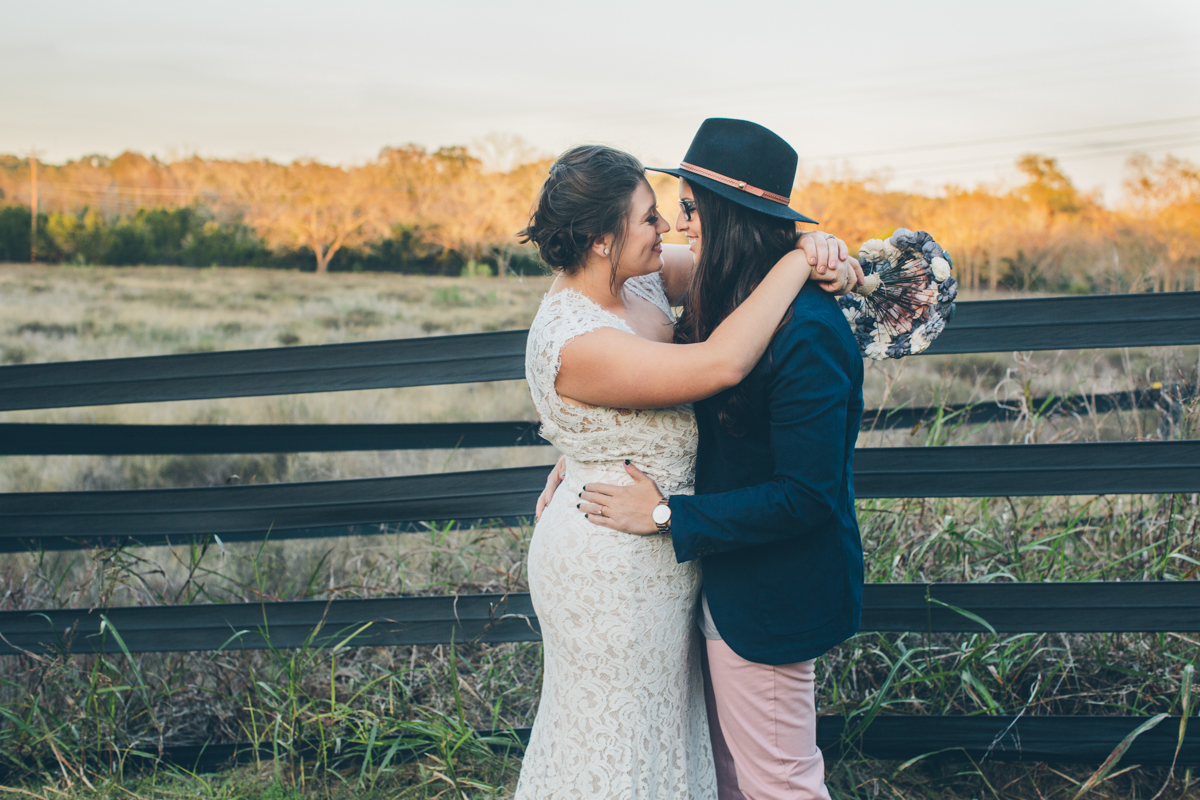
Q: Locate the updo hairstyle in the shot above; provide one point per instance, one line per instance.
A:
(587, 195)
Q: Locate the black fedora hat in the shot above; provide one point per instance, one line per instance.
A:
(743, 162)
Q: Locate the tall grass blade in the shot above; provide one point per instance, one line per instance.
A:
(877, 701)
(1099, 775)
(978, 620)
(458, 706)
(1185, 711)
(924, 756)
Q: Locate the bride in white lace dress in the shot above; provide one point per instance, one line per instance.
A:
(622, 708)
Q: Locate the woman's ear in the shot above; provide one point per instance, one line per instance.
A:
(603, 245)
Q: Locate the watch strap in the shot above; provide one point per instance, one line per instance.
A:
(664, 527)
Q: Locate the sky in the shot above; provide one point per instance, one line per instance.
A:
(918, 94)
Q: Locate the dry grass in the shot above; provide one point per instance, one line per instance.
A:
(85, 704)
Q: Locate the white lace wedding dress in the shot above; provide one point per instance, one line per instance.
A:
(622, 708)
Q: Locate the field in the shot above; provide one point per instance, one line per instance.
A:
(62, 712)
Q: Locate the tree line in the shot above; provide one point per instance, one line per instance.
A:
(448, 212)
(409, 210)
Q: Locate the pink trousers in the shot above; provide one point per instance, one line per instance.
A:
(763, 722)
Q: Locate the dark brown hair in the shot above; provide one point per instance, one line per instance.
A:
(739, 246)
(587, 195)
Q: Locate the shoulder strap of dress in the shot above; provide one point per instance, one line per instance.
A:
(650, 287)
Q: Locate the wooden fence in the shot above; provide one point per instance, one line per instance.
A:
(73, 520)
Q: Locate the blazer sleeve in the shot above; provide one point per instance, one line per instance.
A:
(809, 395)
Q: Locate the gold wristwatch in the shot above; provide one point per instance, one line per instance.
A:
(662, 516)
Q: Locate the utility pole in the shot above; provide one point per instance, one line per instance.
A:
(33, 205)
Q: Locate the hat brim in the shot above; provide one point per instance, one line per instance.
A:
(752, 201)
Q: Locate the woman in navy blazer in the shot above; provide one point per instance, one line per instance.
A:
(772, 520)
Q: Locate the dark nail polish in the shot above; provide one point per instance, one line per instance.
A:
(580, 494)
(579, 505)
(627, 462)
(585, 516)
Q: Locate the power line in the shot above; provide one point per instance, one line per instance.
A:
(1131, 146)
(1005, 139)
(1069, 151)
(996, 161)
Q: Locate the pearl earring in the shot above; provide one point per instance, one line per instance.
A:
(606, 251)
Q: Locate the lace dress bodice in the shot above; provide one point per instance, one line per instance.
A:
(660, 441)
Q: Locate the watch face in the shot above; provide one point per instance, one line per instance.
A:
(661, 514)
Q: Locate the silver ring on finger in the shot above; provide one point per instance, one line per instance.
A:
(604, 511)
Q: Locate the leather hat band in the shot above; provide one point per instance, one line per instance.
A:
(745, 187)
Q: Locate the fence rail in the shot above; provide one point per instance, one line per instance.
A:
(279, 370)
(76, 520)
(32, 438)
(979, 327)
(998, 738)
(1008, 738)
(1083, 607)
(43, 439)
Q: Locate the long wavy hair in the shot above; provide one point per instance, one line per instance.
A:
(739, 247)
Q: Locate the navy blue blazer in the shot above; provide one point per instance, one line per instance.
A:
(772, 520)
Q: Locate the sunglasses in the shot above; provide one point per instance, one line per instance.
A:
(689, 208)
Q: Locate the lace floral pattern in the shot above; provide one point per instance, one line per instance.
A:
(622, 707)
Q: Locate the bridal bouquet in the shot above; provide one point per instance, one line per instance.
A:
(908, 296)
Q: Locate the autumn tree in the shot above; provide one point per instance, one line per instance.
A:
(1058, 220)
(456, 201)
(1164, 205)
(1046, 187)
(977, 227)
(312, 206)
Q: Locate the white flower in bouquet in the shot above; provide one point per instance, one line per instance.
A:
(877, 349)
(881, 340)
(871, 250)
(918, 341)
(941, 269)
(891, 252)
